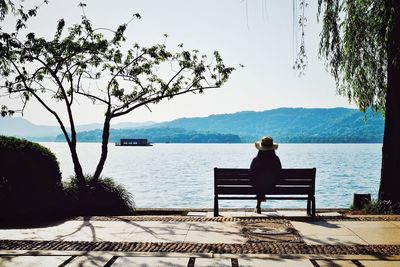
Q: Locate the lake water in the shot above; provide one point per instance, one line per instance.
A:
(181, 175)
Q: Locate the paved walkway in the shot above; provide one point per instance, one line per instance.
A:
(200, 240)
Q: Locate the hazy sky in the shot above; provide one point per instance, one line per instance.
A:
(256, 33)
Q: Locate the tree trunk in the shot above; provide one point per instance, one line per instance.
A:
(74, 154)
(390, 176)
(77, 165)
(104, 148)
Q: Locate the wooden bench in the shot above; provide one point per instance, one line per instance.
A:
(297, 184)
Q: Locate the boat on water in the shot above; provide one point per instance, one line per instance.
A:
(133, 142)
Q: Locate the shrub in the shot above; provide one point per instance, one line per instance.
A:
(381, 207)
(102, 198)
(30, 178)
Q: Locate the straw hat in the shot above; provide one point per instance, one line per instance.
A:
(266, 143)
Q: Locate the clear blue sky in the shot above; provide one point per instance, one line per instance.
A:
(259, 36)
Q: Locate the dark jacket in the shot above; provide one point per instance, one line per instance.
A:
(266, 167)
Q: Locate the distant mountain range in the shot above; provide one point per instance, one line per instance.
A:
(286, 125)
(20, 127)
(157, 135)
(292, 125)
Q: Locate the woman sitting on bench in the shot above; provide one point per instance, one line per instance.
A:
(266, 167)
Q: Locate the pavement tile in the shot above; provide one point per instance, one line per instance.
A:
(389, 236)
(215, 262)
(17, 234)
(213, 237)
(150, 262)
(31, 261)
(334, 240)
(95, 231)
(379, 263)
(162, 228)
(321, 228)
(72, 231)
(375, 232)
(215, 226)
(156, 234)
(90, 260)
(292, 213)
(397, 223)
(367, 224)
(336, 263)
(149, 231)
(214, 232)
(158, 231)
(327, 233)
(263, 214)
(147, 237)
(274, 261)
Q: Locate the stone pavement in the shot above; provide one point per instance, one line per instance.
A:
(198, 239)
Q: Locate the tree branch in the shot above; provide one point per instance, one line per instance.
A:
(158, 98)
(92, 97)
(67, 104)
(44, 104)
(119, 72)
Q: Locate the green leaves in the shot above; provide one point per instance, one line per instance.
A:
(5, 111)
(119, 34)
(60, 27)
(137, 15)
(354, 44)
(3, 9)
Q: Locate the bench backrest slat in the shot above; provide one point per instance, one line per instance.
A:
(234, 182)
(296, 182)
(233, 173)
(248, 190)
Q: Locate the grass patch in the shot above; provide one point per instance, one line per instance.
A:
(376, 206)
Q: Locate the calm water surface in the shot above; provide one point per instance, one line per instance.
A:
(181, 175)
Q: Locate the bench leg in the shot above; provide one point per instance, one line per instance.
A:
(308, 206)
(216, 210)
(313, 206)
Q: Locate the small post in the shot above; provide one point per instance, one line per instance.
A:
(360, 200)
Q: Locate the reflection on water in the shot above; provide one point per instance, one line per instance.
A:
(181, 175)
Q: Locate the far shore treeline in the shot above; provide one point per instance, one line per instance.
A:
(286, 125)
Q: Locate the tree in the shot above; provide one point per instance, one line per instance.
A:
(62, 68)
(361, 42)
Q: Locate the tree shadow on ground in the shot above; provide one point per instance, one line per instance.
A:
(37, 222)
(85, 223)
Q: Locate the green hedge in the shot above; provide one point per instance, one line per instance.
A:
(30, 179)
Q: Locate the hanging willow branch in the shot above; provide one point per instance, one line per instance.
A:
(301, 60)
(353, 43)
